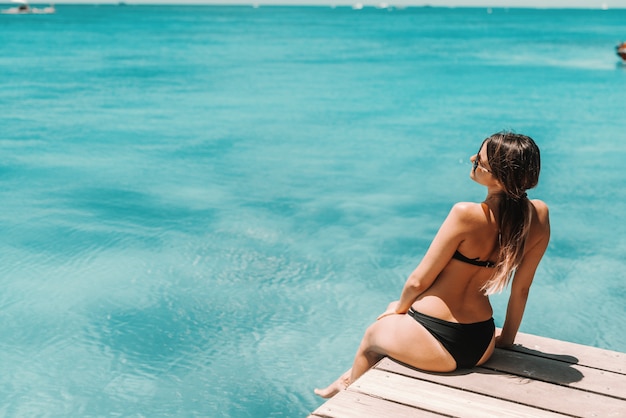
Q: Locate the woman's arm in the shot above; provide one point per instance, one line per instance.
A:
(520, 287)
(447, 240)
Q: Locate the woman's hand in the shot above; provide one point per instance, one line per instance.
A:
(391, 310)
(500, 343)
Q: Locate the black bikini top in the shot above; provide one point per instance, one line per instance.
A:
(474, 261)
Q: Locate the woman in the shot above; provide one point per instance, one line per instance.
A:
(443, 320)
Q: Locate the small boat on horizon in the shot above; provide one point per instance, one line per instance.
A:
(25, 9)
(620, 50)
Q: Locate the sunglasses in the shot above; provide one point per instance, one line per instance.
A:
(477, 163)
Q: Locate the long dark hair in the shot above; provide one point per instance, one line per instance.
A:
(515, 162)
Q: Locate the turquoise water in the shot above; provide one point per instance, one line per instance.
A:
(204, 207)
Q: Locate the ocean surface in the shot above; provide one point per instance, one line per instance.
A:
(204, 207)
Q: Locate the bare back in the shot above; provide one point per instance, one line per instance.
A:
(456, 293)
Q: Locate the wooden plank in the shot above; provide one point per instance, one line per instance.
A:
(349, 404)
(439, 398)
(516, 389)
(567, 374)
(571, 352)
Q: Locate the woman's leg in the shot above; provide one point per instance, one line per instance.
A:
(400, 337)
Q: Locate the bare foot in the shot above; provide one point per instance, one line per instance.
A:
(334, 388)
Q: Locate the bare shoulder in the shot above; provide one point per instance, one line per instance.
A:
(462, 208)
(541, 220)
(467, 211)
(540, 206)
(543, 215)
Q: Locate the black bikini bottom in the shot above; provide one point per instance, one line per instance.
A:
(466, 343)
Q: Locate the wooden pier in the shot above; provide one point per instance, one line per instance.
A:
(539, 377)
